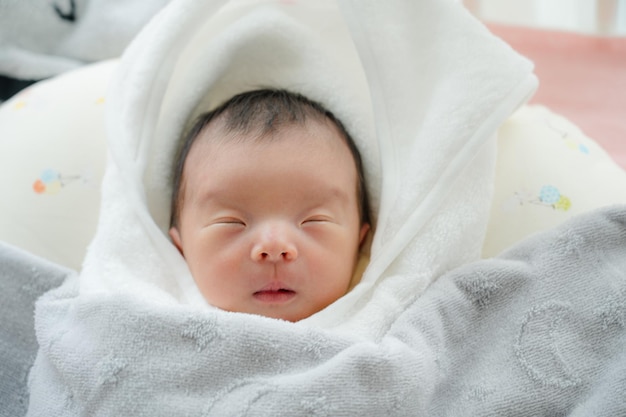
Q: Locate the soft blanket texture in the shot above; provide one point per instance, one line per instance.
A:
(538, 331)
(23, 278)
(421, 86)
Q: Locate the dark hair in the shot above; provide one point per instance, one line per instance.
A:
(263, 111)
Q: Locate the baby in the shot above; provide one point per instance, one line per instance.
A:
(269, 207)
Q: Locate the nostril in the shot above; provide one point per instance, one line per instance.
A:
(288, 255)
(267, 255)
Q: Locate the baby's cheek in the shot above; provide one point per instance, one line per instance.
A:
(217, 287)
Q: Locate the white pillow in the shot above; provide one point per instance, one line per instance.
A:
(53, 152)
(547, 171)
(52, 156)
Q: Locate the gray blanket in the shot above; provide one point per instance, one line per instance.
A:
(23, 278)
(538, 331)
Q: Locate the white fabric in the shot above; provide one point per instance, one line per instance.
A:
(525, 334)
(422, 87)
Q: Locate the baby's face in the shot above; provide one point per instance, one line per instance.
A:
(271, 227)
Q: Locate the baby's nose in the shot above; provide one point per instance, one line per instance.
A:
(274, 244)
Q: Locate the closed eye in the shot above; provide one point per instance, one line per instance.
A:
(229, 221)
(316, 219)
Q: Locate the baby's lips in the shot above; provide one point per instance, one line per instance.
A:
(274, 295)
(275, 286)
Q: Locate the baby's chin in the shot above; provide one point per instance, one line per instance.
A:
(281, 305)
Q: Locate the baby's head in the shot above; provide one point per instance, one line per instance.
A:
(269, 206)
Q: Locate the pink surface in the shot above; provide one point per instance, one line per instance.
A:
(582, 78)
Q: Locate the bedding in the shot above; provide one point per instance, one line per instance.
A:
(52, 159)
(130, 334)
(537, 331)
(547, 171)
(23, 278)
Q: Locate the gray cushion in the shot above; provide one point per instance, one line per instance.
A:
(23, 278)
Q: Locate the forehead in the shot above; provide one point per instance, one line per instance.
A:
(312, 135)
(313, 149)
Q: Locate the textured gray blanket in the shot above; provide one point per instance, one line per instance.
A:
(23, 278)
(538, 331)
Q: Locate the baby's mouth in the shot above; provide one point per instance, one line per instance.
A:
(274, 294)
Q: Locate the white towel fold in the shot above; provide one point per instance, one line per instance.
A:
(421, 85)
